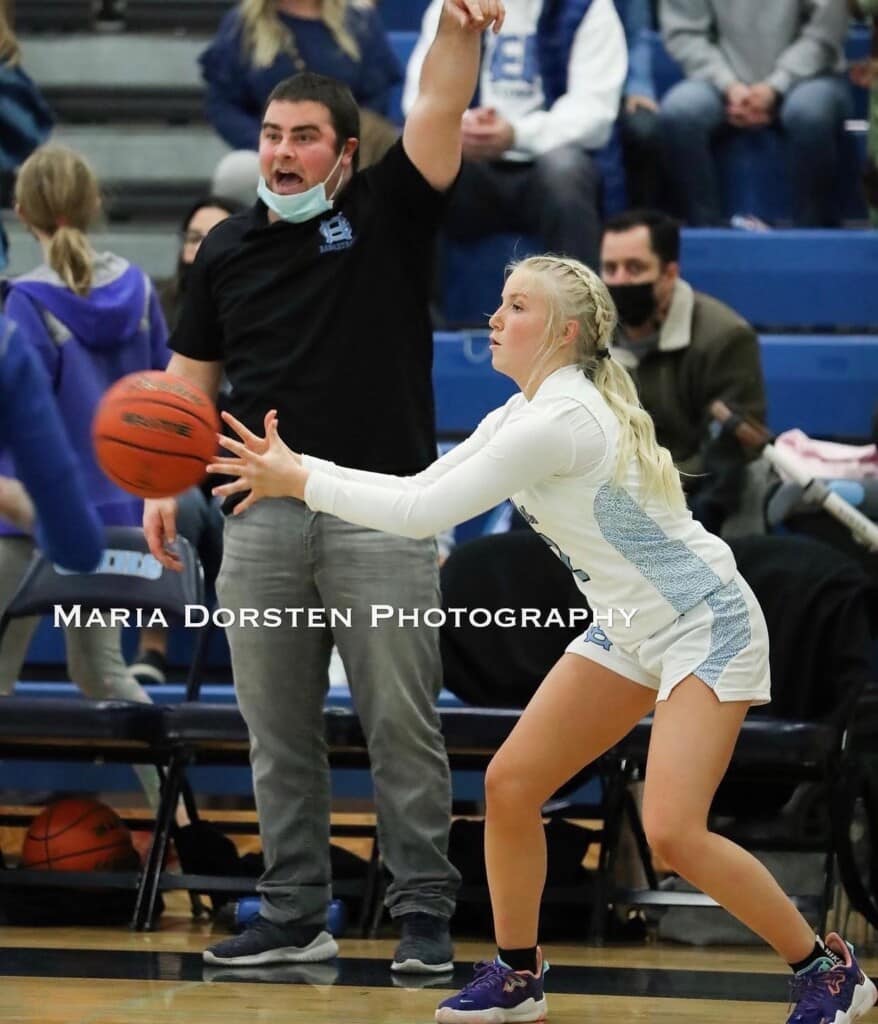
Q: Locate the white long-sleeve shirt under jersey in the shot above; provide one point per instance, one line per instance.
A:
(554, 456)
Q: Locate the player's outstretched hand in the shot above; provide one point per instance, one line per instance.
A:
(265, 467)
(477, 15)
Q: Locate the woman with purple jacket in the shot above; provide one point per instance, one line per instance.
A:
(91, 318)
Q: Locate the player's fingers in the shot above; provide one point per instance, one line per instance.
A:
(245, 504)
(499, 18)
(234, 487)
(220, 465)
(169, 523)
(241, 450)
(239, 428)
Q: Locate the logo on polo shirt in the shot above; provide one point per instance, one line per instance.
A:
(337, 233)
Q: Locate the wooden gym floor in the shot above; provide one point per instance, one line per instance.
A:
(113, 976)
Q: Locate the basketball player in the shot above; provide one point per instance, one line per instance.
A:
(52, 499)
(579, 457)
(90, 318)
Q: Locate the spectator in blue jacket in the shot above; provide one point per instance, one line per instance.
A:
(25, 118)
(48, 494)
(91, 318)
(641, 138)
(262, 42)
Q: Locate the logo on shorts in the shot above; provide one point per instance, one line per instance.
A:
(595, 635)
(337, 233)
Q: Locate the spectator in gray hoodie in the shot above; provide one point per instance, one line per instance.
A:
(751, 65)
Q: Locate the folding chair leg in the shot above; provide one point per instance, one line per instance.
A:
(147, 893)
(370, 891)
(643, 850)
(615, 780)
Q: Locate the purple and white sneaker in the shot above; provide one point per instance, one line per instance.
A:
(498, 995)
(827, 994)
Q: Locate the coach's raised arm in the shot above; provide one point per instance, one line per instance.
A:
(448, 81)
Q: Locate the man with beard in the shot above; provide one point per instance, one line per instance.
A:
(683, 348)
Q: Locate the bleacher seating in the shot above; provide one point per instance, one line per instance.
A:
(779, 280)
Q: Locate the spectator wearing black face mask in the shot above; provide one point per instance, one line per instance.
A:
(684, 349)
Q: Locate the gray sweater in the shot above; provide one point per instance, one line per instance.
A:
(779, 42)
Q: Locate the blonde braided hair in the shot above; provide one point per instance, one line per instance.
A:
(265, 35)
(574, 292)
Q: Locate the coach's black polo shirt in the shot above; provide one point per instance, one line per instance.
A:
(327, 321)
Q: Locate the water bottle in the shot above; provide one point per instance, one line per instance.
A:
(246, 909)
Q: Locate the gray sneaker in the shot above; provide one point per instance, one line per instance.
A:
(424, 946)
(267, 943)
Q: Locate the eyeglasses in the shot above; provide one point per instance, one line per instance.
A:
(192, 237)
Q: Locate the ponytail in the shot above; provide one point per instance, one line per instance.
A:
(71, 257)
(57, 194)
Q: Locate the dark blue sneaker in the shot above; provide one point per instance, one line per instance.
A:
(265, 942)
(498, 995)
(424, 945)
(832, 994)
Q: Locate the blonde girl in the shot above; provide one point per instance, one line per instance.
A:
(578, 456)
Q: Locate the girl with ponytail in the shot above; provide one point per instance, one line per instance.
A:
(676, 629)
(91, 318)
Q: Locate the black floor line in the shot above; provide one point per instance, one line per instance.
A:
(637, 982)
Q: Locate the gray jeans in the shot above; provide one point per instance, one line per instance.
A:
(278, 554)
(94, 653)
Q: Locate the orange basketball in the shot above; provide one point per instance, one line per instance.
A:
(78, 835)
(154, 433)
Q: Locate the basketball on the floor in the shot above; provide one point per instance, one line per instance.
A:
(78, 835)
(154, 433)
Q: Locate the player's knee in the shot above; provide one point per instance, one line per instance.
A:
(505, 786)
(669, 836)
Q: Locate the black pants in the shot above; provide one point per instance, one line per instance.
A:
(555, 197)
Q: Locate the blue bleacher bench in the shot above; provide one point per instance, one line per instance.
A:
(826, 385)
(787, 279)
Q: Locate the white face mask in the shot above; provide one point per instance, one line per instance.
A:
(301, 206)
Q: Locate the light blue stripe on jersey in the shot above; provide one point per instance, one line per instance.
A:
(730, 633)
(677, 573)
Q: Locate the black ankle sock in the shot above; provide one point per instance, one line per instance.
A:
(520, 959)
(820, 950)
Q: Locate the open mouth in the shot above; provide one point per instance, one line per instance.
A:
(287, 182)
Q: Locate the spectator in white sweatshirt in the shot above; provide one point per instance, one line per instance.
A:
(752, 65)
(549, 92)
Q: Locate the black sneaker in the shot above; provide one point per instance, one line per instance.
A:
(150, 667)
(424, 946)
(267, 943)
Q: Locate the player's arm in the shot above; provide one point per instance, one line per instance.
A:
(431, 137)
(205, 374)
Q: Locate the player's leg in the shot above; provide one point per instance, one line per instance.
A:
(693, 737)
(15, 556)
(581, 709)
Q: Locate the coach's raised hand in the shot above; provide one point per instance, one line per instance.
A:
(477, 14)
(265, 467)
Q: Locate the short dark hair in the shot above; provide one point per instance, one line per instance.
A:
(334, 95)
(664, 231)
